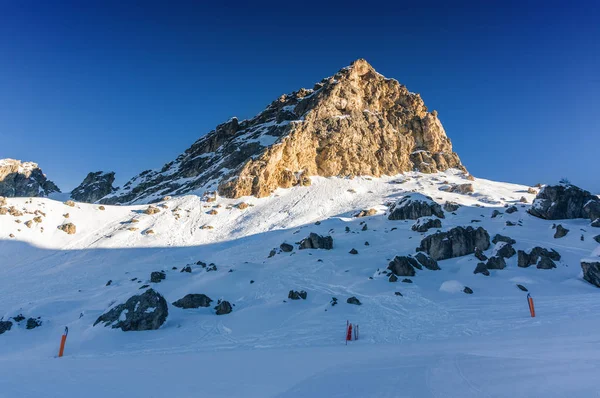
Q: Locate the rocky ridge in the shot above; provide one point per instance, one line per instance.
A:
(356, 122)
(24, 179)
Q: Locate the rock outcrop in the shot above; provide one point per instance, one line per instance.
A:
(414, 206)
(557, 202)
(356, 122)
(315, 241)
(591, 271)
(193, 301)
(458, 241)
(94, 187)
(147, 311)
(542, 258)
(24, 179)
(425, 224)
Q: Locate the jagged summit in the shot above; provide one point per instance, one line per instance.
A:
(94, 187)
(24, 179)
(356, 122)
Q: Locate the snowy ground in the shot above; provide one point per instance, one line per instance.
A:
(433, 341)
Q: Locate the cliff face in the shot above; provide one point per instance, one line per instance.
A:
(356, 122)
(94, 187)
(23, 179)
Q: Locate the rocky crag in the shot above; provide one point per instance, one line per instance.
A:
(356, 122)
(94, 187)
(24, 179)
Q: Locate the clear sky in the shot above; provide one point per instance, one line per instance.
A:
(127, 86)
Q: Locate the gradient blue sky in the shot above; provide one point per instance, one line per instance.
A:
(127, 86)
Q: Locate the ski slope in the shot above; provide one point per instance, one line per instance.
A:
(433, 341)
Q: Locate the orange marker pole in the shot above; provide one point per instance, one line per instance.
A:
(531, 306)
(63, 340)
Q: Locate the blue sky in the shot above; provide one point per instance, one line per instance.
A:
(127, 86)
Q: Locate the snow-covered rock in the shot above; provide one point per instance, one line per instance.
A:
(24, 179)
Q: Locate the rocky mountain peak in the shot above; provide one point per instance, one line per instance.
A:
(356, 122)
(94, 187)
(24, 179)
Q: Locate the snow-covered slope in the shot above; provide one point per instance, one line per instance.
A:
(62, 279)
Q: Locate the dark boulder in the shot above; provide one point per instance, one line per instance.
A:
(427, 262)
(560, 232)
(597, 238)
(596, 223)
(523, 288)
(193, 301)
(353, 300)
(496, 213)
(315, 241)
(468, 290)
(424, 224)
(545, 263)
(294, 295)
(458, 241)
(512, 209)
(286, 247)
(406, 280)
(481, 269)
(502, 238)
(591, 271)
(393, 278)
(564, 201)
(525, 259)
(403, 266)
(353, 251)
(414, 206)
(223, 308)
(5, 326)
(451, 206)
(147, 311)
(187, 269)
(505, 250)
(479, 254)
(495, 262)
(157, 276)
(33, 323)
(398, 294)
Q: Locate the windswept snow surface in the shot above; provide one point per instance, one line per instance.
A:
(433, 341)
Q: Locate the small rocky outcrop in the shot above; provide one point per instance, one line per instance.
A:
(511, 210)
(451, 206)
(425, 224)
(463, 189)
(315, 241)
(366, 213)
(591, 271)
(458, 241)
(33, 323)
(479, 255)
(495, 262)
(596, 223)
(157, 276)
(393, 278)
(5, 326)
(223, 308)
(502, 238)
(504, 250)
(597, 238)
(560, 232)
(481, 268)
(353, 251)
(151, 210)
(147, 311)
(496, 213)
(286, 247)
(522, 288)
(295, 295)
(24, 179)
(427, 262)
(353, 300)
(468, 290)
(415, 206)
(193, 301)
(68, 228)
(565, 201)
(403, 266)
(94, 187)
(542, 258)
